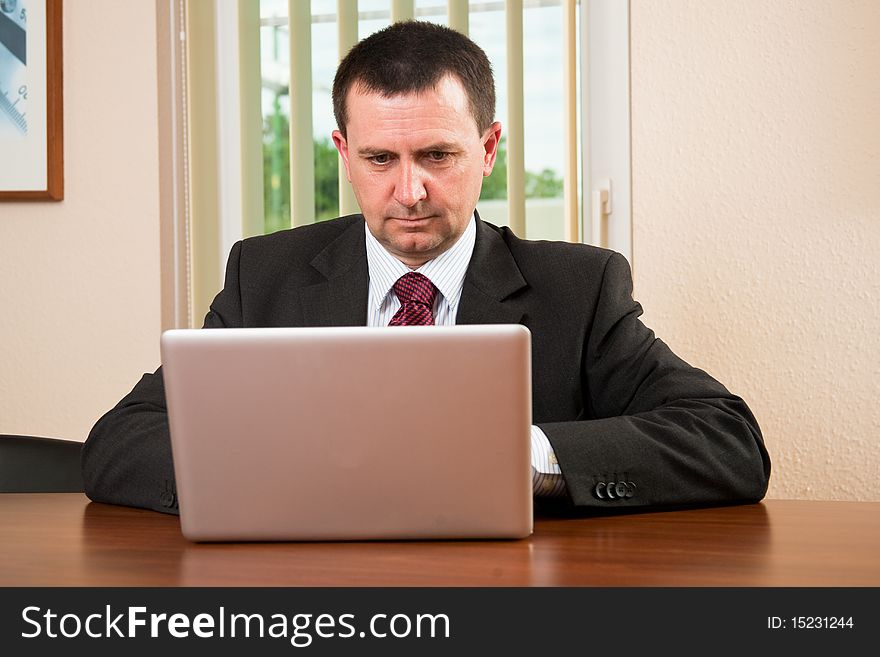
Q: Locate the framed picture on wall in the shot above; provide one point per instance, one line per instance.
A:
(31, 127)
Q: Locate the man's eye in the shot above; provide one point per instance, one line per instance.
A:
(437, 156)
(381, 158)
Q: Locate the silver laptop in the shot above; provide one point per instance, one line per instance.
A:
(351, 433)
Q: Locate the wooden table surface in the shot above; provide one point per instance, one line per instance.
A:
(64, 540)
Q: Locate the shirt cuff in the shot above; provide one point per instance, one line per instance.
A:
(547, 480)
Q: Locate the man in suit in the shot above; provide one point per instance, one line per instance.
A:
(620, 421)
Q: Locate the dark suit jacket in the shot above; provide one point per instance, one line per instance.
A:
(615, 402)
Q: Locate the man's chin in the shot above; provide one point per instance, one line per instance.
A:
(415, 248)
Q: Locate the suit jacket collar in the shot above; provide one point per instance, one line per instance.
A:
(341, 299)
(492, 279)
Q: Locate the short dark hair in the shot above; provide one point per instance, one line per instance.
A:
(412, 56)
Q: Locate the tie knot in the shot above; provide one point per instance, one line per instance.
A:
(416, 294)
(415, 288)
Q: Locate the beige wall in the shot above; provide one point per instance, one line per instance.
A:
(756, 218)
(79, 280)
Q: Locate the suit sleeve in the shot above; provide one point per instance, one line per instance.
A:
(672, 434)
(127, 456)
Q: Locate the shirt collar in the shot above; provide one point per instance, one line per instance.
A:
(446, 271)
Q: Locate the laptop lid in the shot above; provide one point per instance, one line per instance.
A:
(351, 433)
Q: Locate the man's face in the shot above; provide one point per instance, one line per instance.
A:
(416, 163)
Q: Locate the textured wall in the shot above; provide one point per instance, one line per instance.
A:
(756, 218)
(79, 279)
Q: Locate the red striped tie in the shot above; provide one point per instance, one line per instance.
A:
(416, 294)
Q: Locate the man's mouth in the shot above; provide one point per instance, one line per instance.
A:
(411, 219)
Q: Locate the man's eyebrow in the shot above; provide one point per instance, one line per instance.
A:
(444, 147)
(368, 151)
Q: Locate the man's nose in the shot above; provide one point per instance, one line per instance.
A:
(410, 186)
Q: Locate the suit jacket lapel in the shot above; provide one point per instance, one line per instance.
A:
(492, 278)
(340, 300)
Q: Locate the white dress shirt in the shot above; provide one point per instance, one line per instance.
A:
(447, 272)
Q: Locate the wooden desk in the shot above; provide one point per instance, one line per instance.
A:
(63, 540)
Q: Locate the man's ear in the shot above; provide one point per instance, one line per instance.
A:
(342, 146)
(491, 141)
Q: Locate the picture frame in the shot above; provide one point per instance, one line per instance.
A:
(31, 101)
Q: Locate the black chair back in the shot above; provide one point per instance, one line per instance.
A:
(29, 464)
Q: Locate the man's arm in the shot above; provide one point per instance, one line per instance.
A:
(127, 456)
(670, 433)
